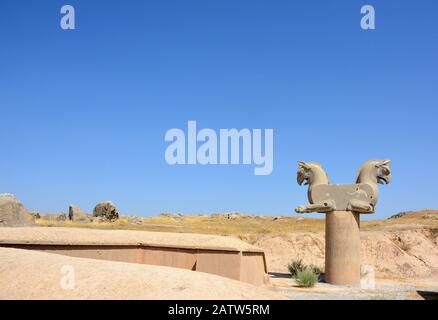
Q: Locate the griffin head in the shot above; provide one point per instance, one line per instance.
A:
(383, 171)
(311, 172)
(375, 171)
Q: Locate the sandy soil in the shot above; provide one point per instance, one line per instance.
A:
(29, 274)
(403, 252)
(382, 290)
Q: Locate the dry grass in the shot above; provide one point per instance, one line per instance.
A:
(248, 228)
(412, 218)
(122, 223)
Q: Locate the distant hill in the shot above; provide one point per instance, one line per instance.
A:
(423, 214)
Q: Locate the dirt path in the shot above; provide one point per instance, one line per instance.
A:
(383, 290)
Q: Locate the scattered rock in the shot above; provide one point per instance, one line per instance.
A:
(99, 219)
(77, 214)
(61, 217)
(106, 210)
(300, 219)
(170, 215)
(135, 220)
(35, 215)
(13, 213)
(49, 216)
(233, 215)
(399, 215)
(431, 216)
(166, 215)
(176, 216)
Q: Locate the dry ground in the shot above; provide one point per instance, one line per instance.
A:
(242, 225)
(403, 251)
(399, 248)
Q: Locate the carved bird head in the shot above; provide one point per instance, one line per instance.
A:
(377, 171)
(311, 172)
(383, 171)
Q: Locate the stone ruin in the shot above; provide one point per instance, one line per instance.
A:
(342, 204)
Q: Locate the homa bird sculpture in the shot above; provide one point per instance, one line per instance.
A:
(342, 204)
(360, 197)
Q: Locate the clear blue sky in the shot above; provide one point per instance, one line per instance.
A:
(84, 112)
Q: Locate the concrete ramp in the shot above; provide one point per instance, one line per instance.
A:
(224, 256)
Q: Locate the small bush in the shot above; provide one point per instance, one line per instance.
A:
(295, 267)
(307, 278)
(298, 265)
(316, 270)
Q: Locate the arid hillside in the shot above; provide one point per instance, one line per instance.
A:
(242, 224)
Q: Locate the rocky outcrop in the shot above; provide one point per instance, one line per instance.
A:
(35, 214)
(106, 211)
(13, 213)
(77, 214)
(399, 215)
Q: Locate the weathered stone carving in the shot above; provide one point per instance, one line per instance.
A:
(360, 197)
(343, 204)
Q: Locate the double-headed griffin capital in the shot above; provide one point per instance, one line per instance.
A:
(360, 197)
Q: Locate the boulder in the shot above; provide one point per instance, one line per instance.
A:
(77, 214)
(431, 216)
(106, 210)
(399, 215)
(135, 220)
(166, 215)
(35, 214)
(13, 213)
(233, 215)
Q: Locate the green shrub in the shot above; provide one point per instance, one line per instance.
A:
(295, 267)
(316, 270)
(307, 278)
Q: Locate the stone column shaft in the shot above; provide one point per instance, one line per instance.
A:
(342, 248)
